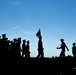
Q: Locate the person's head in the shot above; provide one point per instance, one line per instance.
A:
(24, 41)
(3, 36)
(15, 39)
(28, 42)
(62, 40)
(73, 44)
(19, 39)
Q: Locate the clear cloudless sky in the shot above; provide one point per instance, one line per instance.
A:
(55, 18)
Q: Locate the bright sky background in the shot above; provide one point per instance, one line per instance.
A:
(55, 18)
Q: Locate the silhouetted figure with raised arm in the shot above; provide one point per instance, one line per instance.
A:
(62, 47)
(40, 48)
(74, 49)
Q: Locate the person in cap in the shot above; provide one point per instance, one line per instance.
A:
(63, 46)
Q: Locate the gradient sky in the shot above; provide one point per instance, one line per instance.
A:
(55, 18)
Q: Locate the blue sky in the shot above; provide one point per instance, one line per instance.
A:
(55, 18)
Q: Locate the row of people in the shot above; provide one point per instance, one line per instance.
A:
(62, 46)
(13, 47)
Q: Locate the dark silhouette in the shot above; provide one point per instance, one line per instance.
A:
(74, 49)
(38, 34)
(11, 60)
(40, 48)
(19, 46)
(26, 49)
(40, 45)
(62, 47)
(23, 48)
(27, 55)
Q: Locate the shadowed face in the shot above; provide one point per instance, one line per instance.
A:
(62, 40)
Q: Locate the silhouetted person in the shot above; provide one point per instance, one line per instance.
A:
(62, 47)
(74, 50)
(27, 54)
(40, 48)
(19, 46)
(14, 48)
(4, 45)
(11, 46)
(3, 36)
(23, 48)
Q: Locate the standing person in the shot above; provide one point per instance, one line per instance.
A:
(23, 48)
(27, 55)
(40, 48)
(62, 47)
(74, 50)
